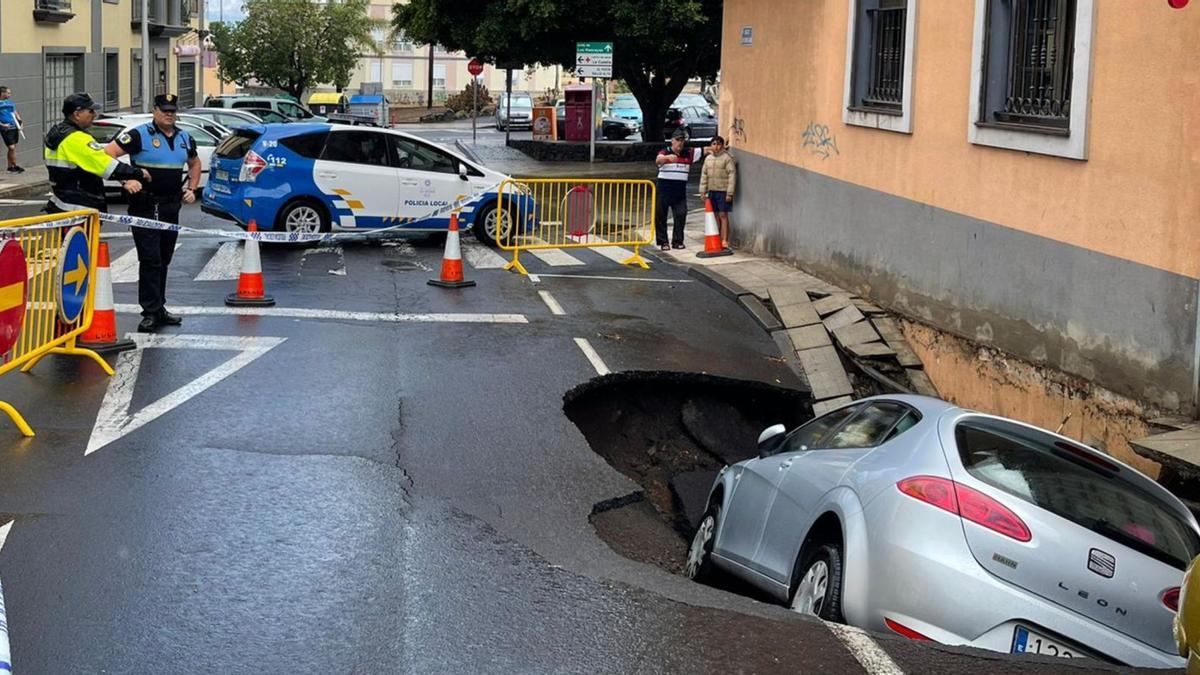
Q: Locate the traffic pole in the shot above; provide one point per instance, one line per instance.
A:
(475, 110)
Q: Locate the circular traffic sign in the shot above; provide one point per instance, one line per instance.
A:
(475, 67)
(13, 277)
(74, 264)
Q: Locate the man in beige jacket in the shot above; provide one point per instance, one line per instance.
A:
(718, 180)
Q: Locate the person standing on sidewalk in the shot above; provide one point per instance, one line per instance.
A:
(674, 165)
(165, 151)
(718, 179)
(77, 165)
(10, 128)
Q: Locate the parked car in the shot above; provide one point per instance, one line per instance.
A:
(626, 107)
(1187, 620)
(284, 106)
(522, 111)
(319, 177)
(910, 515)
(267, 115)
(105, 130)
(216, 129)
(353, 119)
(611, 128)
(697, 123)
(694, 101)
(229, 117)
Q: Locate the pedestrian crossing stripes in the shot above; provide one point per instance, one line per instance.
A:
(125, 268)
(225, 265)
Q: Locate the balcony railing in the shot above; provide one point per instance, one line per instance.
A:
(155, 15)
(167, 18)
(52, 11)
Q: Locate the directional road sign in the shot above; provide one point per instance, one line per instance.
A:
(593, 59)
(13, 275)
(74, 262)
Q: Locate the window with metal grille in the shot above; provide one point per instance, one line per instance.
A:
(63, 77)
(1029, 52)
(880, 29)
(439, 76)
(187, 85)
(112, 84)
(160, 75)
(135, 78)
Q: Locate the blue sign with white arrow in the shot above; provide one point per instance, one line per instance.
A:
(74, 265)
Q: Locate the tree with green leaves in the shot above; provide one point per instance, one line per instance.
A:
(657, 44)
(294, 44)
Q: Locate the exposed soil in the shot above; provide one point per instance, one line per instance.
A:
(671, 433)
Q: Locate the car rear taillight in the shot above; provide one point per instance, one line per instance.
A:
(970, 504)
(900, 629)
(252, 165)
(1170, 598)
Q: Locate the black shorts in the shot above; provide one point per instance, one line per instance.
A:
(10, 136)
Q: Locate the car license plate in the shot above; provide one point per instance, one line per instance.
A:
(1026, 641)
(222, 175)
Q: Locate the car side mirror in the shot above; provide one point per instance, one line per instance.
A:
(462, 170)
(770, 440)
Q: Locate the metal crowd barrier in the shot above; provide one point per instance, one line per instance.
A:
(47, 264)
(546, 213)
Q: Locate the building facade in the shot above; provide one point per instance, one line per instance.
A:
(1020, 173)
(51, 48)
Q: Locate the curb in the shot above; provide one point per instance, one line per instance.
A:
(32, 190)
(729, 289)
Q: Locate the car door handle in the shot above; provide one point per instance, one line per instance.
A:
(409, 183)
(326, 174)
(785, 465)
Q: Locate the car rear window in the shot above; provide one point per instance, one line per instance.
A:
(306, 145)
(237, 144)
(1068, 481)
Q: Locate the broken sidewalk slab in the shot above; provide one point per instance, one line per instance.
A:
(894, 337)
(809, 337)
(867, 308)
(921, 383)
(759, 311)
(788, 351)
(870, 350)
(855, 334)
(822, 407)
(833, 303)
(1178, 451)
(826, 377)
(718, 282)
(847, 316)
(797, 314)
(783, 295)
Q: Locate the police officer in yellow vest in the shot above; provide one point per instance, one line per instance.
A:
(78, 165)
(164, 150)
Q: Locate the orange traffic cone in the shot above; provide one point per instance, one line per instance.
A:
(101, 335)
(250, 283)
(712, 235)
(452, 268)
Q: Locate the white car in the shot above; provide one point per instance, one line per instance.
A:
(105, 130)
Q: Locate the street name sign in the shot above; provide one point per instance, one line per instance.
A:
(594, 59)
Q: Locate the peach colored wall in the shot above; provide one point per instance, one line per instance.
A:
(1137, 197)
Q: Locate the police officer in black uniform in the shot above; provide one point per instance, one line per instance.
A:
(165, 151)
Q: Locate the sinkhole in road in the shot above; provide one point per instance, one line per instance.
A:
(671, 433)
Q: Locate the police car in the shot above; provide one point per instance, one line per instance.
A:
(310, 178)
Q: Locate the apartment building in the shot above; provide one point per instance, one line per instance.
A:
(51, 48)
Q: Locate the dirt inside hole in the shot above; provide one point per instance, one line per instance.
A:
(671, 433)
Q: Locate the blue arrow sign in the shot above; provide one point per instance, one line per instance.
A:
(74, 265)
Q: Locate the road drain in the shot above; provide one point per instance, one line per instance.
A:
(670, 433)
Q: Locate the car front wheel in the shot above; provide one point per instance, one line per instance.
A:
(699, 565)
(487, 227)
(817, 590)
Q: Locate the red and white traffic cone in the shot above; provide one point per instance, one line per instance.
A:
(452, 267)
(101, 335)
(250, 292)
(712, 235)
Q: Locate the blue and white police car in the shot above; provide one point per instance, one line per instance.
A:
(311, 178)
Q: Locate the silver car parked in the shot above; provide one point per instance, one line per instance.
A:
(911, 515)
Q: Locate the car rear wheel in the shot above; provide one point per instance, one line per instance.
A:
(303, 217)
(699, 565)
(817, 589)
(487, 227)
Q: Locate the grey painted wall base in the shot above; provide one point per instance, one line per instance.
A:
(1126, 326)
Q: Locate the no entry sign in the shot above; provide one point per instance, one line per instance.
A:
(13, 276)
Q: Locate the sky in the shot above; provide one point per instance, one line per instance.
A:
(232, 9)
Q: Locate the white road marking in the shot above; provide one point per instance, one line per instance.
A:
(535, 278)
(555, 308)
(335, 315)
(21, 202)
(124, 270)
(555, 257)
(5, 651)
(655, 280)
(482, 257)
(5, 528)
(224, 265)
(865, 650)
(592, 356)
(115, 419)
(613, 253)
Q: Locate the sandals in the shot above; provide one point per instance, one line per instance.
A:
(675, 246)
(665, 247)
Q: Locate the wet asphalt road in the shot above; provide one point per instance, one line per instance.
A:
(374, 496)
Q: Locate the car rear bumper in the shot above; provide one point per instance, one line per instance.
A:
(921, 574)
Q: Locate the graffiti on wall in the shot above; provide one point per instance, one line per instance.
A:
(819, 141)
(739, 129)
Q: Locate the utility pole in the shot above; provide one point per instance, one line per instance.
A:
(221, 14)
(429, 103)
(147, 59)
(200, 57)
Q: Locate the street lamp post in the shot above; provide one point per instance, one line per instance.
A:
(147, 58)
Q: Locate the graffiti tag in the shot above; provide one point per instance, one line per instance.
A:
(739, 129)
(820, 141)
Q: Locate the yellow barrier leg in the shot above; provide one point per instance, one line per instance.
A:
(515, 264)
(16, 419)
(72, 351)
(636, 259)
